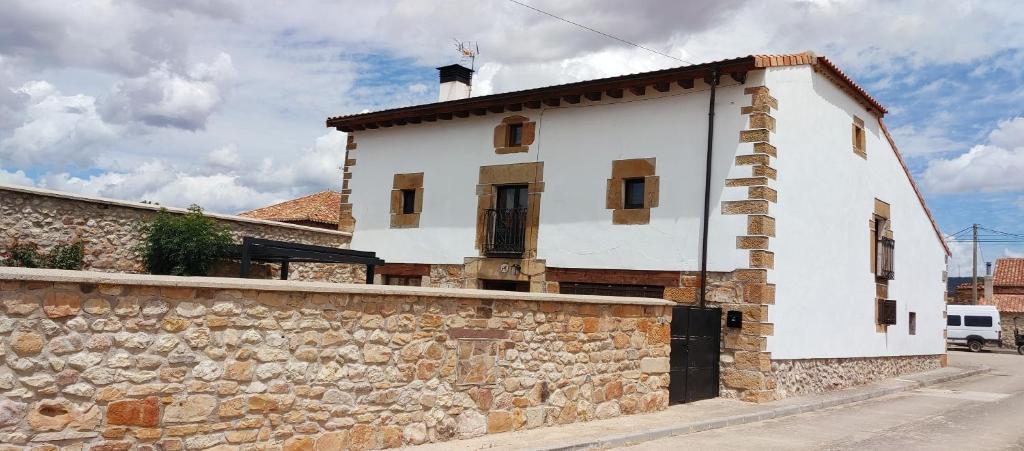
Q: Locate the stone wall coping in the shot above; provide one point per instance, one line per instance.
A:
(142, 206)
(226, 283)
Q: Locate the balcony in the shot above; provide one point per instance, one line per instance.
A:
(506, 232)
(886, 258)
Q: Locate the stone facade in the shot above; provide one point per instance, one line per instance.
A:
(110, 232)
(100, 361)
(1006, 319)
(806, 376)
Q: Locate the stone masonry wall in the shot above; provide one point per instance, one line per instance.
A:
(1006, 320)
(805, 376)
(110, 232)
(114, 362)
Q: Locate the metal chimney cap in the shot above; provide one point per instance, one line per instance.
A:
(456, 72)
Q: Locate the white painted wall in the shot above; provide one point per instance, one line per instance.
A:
(824, 288)
(577, 144)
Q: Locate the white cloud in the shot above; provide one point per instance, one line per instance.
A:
(225, 158)
(992, 167)
(163, 98)
(313, 169)
(931, 139)
(57, 129)
(220, 183)
(15, 178)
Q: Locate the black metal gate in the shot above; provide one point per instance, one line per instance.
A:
(696, 340)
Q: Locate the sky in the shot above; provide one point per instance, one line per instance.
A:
(222, 103)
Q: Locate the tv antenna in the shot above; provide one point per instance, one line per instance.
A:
(467, 50)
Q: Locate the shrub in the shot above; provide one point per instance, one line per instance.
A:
(62, 256)
(66, 256)
(183, 245)
(24, 255)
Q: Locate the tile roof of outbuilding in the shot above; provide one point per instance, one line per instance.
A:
(1007, 303)
(1009, 272)
(323, 207)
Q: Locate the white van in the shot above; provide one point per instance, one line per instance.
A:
(973, 326)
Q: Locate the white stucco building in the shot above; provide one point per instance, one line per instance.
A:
(817, 239)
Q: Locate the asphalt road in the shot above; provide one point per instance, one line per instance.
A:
(984, 412)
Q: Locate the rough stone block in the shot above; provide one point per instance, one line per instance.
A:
(135, 412)
(654, 365)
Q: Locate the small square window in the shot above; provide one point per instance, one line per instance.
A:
(515, 135)
(408, 201)
(633, 194)
(912, 323)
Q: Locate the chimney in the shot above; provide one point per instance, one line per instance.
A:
(989, 298)
(456, 82)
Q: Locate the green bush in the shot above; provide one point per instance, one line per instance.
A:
(66, 256)
(62, 256)
(24, 255)
(183, 245)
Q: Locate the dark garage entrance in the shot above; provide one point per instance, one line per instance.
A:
(696, 339)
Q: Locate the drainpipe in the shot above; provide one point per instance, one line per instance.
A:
(707, 193)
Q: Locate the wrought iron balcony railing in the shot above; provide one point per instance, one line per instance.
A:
(506, 231)
(886, 258)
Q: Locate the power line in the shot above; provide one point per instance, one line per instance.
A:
(598, 31)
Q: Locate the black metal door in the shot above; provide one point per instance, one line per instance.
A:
(696, 339)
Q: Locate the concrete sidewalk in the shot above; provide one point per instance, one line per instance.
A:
(687, 418)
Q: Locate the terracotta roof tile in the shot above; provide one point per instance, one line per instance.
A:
(1009, 272)
(323, 207)
(1007, 303)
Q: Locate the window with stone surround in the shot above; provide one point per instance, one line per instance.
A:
(632, 190)
(633, 195)
(406, 200)
(859, 138)
(882, 258)
(514, 135)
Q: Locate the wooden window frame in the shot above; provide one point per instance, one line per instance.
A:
(887, 312)
(615, 197)
(402, 184)
(860, 146)
(514, 135)
(408, 201)
(627, 202)
(504, 136)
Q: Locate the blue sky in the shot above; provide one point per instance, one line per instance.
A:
(222, 102)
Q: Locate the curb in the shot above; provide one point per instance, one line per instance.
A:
(777, 412)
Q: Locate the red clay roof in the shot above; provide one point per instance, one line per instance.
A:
(323, 207)
(1009, 272)
(1007, 303)
(659, 79)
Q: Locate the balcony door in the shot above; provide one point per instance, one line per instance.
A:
(507, 221)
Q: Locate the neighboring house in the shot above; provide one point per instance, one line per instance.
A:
(315, 210)
(1006, 292)
(598, 187)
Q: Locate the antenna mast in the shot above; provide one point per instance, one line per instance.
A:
(468, 50)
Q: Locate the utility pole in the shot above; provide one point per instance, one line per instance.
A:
(974, 267)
